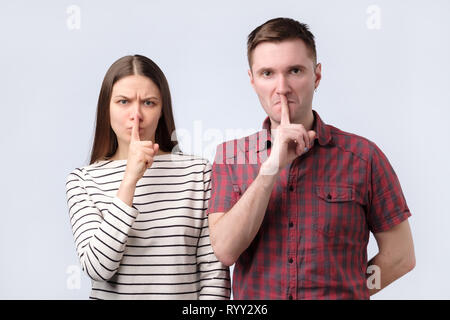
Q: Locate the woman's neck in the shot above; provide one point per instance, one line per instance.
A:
(122, 154)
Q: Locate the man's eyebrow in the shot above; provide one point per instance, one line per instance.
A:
(263, 69)
(294, 66)
(297, 66)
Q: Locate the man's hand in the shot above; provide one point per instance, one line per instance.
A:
(291, 140)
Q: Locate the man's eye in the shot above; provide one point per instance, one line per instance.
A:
(295, 70)
(266, 73)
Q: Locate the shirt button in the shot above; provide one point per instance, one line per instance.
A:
(291, 224)
(290, 297)
(291, 188)
(329, 197)
(291, 260)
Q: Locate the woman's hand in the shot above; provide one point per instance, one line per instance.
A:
(140, 155)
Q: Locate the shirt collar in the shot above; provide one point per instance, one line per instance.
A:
(323, 134)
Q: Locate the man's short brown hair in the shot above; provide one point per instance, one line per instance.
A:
(277, 30)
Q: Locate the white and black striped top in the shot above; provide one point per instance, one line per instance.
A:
(157, 249)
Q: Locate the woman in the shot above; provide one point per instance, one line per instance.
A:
(137, 211)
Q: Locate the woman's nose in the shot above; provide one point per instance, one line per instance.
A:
(136, 112)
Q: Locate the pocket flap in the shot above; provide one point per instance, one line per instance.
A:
(335, 193)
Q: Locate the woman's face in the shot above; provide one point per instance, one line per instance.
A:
(135, 96)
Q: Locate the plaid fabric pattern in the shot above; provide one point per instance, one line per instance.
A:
(312, 243)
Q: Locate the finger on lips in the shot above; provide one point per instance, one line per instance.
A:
(135, 130)
(284, 110)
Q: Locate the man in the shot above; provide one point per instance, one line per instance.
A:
(292, 205)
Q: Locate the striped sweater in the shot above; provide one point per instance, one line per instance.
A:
(157, 249)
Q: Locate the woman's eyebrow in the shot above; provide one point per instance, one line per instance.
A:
(151, 97)
(146, 98)
(121, 96)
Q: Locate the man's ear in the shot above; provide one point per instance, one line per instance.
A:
(318, 74)
(252, 81)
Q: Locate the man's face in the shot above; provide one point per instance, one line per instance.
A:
(284, 68)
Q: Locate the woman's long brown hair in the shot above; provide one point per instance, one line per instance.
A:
(105, 140)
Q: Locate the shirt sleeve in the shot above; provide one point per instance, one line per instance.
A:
(100, 236)
(214, 276)
(222, 196)
(387, 204)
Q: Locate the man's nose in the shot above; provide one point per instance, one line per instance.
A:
(282, 85)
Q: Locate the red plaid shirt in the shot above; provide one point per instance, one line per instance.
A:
(312, 243)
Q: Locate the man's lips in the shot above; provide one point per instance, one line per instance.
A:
(289, 101)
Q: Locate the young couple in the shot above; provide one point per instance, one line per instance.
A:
(291, 206)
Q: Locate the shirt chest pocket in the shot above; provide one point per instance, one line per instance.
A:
(332, 193)
(337, 211)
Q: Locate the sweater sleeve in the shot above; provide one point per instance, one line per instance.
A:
(100, 236)
(214, 276)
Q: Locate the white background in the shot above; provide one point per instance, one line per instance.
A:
(385, 67)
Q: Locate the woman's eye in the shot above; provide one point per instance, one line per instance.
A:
(123, 101)
(148, 103)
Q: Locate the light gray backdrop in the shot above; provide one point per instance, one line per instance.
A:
(385, 76)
